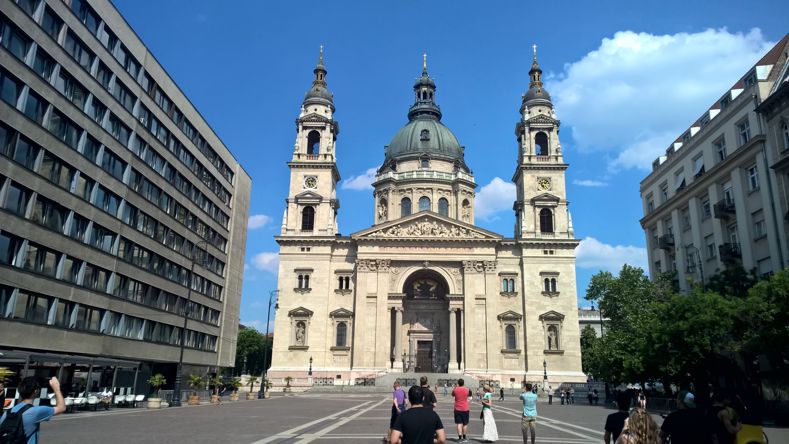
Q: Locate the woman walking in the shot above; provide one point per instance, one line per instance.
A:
(640, 428)
(489, 432)
(398, 406)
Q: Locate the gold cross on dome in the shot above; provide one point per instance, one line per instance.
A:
(424, 60)
(534, 48)
(321, 56)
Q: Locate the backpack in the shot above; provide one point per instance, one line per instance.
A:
(12, 430)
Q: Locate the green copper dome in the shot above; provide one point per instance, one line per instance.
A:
(424, 133)
(424, 136)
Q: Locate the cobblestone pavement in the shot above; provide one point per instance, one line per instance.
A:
(324, 418)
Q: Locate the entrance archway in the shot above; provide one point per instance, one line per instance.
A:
(426, 322)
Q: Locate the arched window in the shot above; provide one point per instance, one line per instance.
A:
(541, 144)
(547, 285)
(785, 133)
(405, 207)
(347, 282)
(504, 285)
(308, 218)
(546, 221)
(425, 164)
(443, 207)
(339, 285)
(424, 203)
(512, 285)
(306, 281)
(301, 281)
(313, 142)
(424, 135)
(553, 285)
(342, 334)
(509, 332)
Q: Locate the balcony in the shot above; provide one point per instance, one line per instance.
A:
(729, 252)
(724, 209)
(666, 242)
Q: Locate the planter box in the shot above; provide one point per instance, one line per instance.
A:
(215, 399)
(193, 400)
(251, 396)
(154, 403)
(234, 396)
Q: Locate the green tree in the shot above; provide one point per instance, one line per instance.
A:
(588, 338)
(767, 313)
(250, 345)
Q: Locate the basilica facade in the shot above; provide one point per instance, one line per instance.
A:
(424, 289)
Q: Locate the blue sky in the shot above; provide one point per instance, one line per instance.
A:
(625, 83)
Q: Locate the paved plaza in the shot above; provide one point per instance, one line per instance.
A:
(317, 418)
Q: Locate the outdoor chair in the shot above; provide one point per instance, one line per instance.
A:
(130, 400)
(119, 400)
(139, 398)
(80, 402)
(69, 401)
(93, 401)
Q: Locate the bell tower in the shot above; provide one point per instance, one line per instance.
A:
(312, 202)
(541, 203)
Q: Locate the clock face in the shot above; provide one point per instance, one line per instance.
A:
(311, 182)
(544, 184)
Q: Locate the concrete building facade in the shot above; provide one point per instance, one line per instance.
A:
(121, 211)
(711, 201)
(424, 289)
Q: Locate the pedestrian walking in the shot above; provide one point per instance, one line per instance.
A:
(615, 422)
(418, 425)
(489, 431)
(479, 394)
(446, 385)
(22, 423)
(550, 395)
(572, 395)
(642, 399)
(726, 425)
(561, 394)
(461, 407)
(429, 398)
(596, 397)
(398, 406)
(640, 428)
(589, 396)
(686, 425)
(501, 393)
(529, 418)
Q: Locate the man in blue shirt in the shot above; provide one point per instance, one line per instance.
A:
(529, 419)
(34, 416)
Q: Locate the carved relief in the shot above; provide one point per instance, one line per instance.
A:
(479, 266)
(427, 229)
(372, 264)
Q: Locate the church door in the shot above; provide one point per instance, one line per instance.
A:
(424, 356)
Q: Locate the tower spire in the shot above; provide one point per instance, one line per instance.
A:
(424, 62)
(319, 92)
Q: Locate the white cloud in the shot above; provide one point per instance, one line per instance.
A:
(258, 221)
(360, 182)
(494, 197)
(590, 183)
(266, 261)
(638, 92)
(592, 253)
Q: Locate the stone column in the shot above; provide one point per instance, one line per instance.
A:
(398, 335)
(453, 360)
(462, 339)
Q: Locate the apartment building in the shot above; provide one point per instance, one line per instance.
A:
(711, 201)
(122, 214)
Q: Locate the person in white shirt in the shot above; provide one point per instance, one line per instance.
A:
(106, 398)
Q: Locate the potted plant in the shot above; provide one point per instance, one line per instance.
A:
(252, 381)
(267, 393)
(235, 383)
(195, 382)
(216, 381)
(288, 380)
(156, 381)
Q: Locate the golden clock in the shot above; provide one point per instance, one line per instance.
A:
(544, 184)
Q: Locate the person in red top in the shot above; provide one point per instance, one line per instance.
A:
(461, 395)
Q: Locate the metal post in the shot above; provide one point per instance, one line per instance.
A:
(262, 390)
(309, 373)
(177, 387)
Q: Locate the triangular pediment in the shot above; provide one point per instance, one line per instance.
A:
(314, 117)
(426, 225)
(341, 313)
(552, 316)
(510, 315)
(300, 312)
(542, 119)
(308, 197)
(545, 197)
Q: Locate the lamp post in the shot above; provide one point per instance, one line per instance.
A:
(309, 373)
(177, 386)
(272, 296)
(544, 372)
(404, 367)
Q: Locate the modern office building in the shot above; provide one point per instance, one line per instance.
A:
(712, 201)
(121, 211)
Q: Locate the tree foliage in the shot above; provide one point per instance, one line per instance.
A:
(657, 334)
(252, 346)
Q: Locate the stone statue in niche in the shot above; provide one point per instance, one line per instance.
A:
(300, 333)
(465, 213)
(382, 211)
(553, 338)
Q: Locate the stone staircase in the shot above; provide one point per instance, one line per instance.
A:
(383, 383)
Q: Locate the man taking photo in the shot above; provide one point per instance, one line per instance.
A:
(31, 416)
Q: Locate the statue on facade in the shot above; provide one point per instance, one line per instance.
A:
(382, 212)
(300, 331)
(552, 337)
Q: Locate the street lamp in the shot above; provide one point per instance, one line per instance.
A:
(187, 308)
(272, 296)
(544, 372)
(404, 368)
(309, 373)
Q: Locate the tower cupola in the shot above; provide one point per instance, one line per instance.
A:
(319, 93)
(425, 89)
(536, 95)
